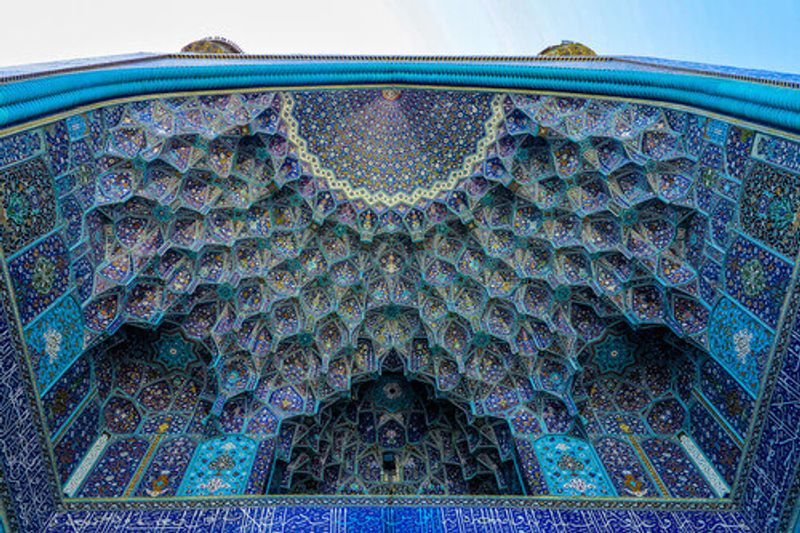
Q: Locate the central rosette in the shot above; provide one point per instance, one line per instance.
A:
(392, 146)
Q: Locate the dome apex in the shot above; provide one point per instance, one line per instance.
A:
(212, 45)
(568, 49)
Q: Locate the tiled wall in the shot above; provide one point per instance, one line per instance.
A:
(774, 484)
(23, 461)
(757, 269)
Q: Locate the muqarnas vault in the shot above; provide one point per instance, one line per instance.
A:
(418, 293)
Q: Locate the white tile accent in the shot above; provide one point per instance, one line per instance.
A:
(86, 465)
(714, 479)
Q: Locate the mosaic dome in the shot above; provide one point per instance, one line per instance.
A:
(392, 146)
(212, 45)
(568, 49)
(387, 292)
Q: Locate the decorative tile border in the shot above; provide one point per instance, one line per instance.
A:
(768, 484)
(85, 466)
(696, 454)
(763, 403)
(29, 491)
(397, 519)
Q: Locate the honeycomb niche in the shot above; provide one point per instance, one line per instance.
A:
(398, 291)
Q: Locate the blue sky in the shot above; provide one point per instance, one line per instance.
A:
(753, 33)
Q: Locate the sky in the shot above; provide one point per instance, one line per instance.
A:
(761, 34)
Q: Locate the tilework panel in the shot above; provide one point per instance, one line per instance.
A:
(166, 469)
(40, 276)
(25, 467)
(666, 416)
(19, 146)
(121, 415)
(115, 469)
(723, 221)
(89, 461)
(63, 400)
(702, 463)
(729, 398)
(624, 468)
(770, 199)
(740, 344)
(715, 442)
(70, 449)
(571, 467)
(757, 279)
(614, 354)
(737, 151)
(262, 468)
(220, 466)
(55, 340)
(778, 151)
(57, 141)
(772, 488)
(27, 204)
(174, 352)
(530, 468)
(72, 214)
(676, 470)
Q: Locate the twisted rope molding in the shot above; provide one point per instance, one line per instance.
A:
(763, 104)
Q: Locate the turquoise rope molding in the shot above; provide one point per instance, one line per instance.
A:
(764, 104)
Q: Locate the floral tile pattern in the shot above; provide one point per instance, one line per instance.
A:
(581, 281)
(27, 204)
(40, 276)
(572, 468)
(55, 340)
(740, 344)
(757, 279)
(219, 466)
